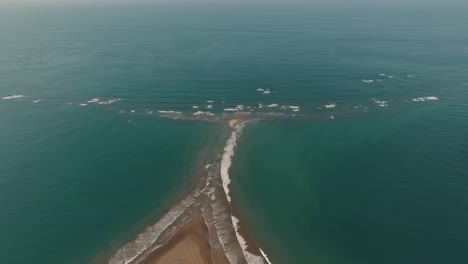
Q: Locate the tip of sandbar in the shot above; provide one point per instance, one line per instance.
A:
(235, 121)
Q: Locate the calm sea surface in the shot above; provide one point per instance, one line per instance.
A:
(371, 167)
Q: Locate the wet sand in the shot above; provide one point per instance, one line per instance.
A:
(190, 245)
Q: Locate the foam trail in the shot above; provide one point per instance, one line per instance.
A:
(265, 256)
(143, 241)
(251, 258)
(226, 162)
(167, 112)
(227, 156)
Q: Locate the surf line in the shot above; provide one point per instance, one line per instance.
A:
(226, 162)
(207, 206)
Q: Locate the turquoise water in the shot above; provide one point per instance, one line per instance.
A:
(384, 181)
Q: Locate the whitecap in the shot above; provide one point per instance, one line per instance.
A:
(195, 107)
(391, 76)
(209, 106)
(36, 101)
(273, 105)
(266, 92)
(230, 109)
(199, 113)
(83, 104)
(427, 98)
(133, 111)
(330, 105)
(332, 117)
(380, 103)
(367, 81)
(13, 96)
(94, 100)
(240, 107)
(382, 74)
(111, 101)
(210, 101)
(169, 112)
(410, 75)
(260, 106)
(260, 90)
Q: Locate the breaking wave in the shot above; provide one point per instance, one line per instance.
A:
(13, 96)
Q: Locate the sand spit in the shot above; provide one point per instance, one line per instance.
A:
(199, 229)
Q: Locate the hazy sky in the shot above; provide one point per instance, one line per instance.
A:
(327, 2)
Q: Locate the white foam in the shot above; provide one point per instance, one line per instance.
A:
(199, 113)
(148, 237)
(240, 107)
(330, 105)
(13, 96)
(195, 107)
(427, 98)
(249, 257)
(209, 106)
(83, 104)
(260, 90)
(111, 101)
(267, 92)
(169, 112)
(382, 74)
(133, 111)
(229, 109)
(121, 111)
(210, 101)
(410, 75)
(391, 76)
(380, 103)
(367, 81)
(294, 107)
(226, 158)
(296, 110)
(260, 106)
(273, 105)
(332, 117)
(265, 256)
(94, 100)
(36, 101)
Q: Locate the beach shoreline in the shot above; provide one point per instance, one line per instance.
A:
(201, 228)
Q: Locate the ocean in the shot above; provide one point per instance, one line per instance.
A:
(363, 158)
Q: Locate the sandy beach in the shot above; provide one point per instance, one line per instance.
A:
(189, 245)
